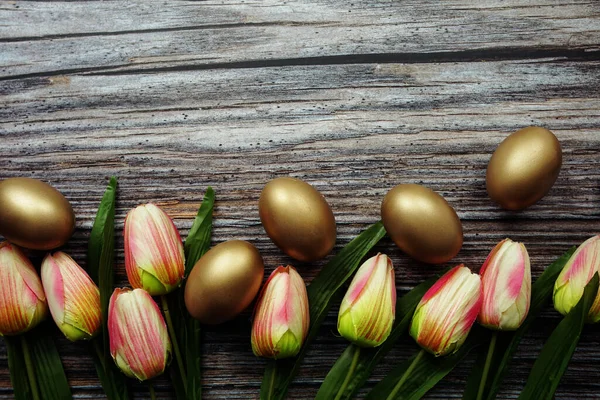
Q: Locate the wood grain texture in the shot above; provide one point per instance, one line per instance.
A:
(354, 98)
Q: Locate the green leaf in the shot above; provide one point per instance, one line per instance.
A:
(198, 240)
(355, 365)
(425, 373)
(51, 378)
(554, 358)
(17, 368)
(187, 328)
(322, 292)
(100, 261)
(507, 342)
(113, 381)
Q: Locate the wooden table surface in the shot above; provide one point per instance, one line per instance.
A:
(352, 96)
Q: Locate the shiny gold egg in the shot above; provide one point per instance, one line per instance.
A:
(422, 223)
(34, 215)
(523, 168)
(224, 282)
(297, 219)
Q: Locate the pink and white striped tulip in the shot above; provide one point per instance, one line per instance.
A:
(154, 257)
(139, 341)
(73, 298)
(506, 283)
(575, 275)
(368, 309)
(447, 311)
(281, 317)
(22, 300)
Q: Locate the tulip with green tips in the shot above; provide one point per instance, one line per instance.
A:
(139, 342)
(22, 300)
(281, 317)
(576, 274)
(368, 309)
(73, 298)
(154, 257)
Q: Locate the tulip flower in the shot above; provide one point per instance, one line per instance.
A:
(138, 338)
(576, 274)
(73, 298)
(22, 300)
(369, 306)
(447, 311)
(281, 317)
(154, 257)
(506, 283)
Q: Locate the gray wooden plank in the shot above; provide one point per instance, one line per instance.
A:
(56, 38)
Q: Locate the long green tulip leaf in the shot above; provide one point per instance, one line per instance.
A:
(554, 358)
(100, 261)
(188, 385)
(425, 372)
(49, 372)
(507, 342)
(17, 368)
(322, 292)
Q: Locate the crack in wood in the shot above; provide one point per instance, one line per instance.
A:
(555, 54)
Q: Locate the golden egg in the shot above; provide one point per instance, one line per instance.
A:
(422, 223)
(523, 168)
(34, 215)
(297, 219)
(224, 282)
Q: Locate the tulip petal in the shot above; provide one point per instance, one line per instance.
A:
(154, 256)
(139, 342)
(506, 283)
(73, 297)
(281, 317)
(447, 312)
(22, 301)
(577, 272)
(368, 308)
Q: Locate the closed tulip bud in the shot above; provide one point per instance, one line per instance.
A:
(139, 342)
(281, 317)
(506, 284)
(576, 274)
(154, 257)
(369, 306)
(22, 300)
(447, 311)
(73, 298)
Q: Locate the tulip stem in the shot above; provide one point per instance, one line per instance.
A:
(165, 307)
(151, 390)
(486, 367)
(406, 374)
(30, 371)
(349, 374)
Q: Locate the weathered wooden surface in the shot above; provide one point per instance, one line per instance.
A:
(352, 97)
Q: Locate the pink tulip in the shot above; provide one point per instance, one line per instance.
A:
(73, 297)
(576, 274)
(139, 342)
(506, 283)
(281, 317)
(368, 309)
(447, 311)
(22, 300)
(154, 257)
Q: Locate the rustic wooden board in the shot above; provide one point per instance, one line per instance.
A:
(352, 97)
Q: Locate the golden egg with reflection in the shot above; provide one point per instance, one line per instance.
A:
(34, 215)
(297, 218)
(523, 168)
(224, 282)
(422, 223)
